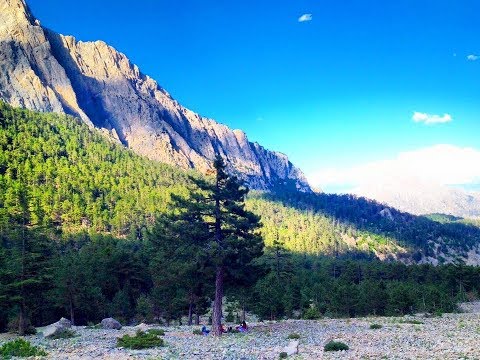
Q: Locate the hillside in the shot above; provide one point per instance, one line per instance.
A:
(422, 197)
(76, 217)
(50, 72)
(76, 180)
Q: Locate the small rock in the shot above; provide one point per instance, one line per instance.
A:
(141, 327)
(111, 323)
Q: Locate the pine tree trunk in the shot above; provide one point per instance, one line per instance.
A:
(190, 314)
(197, 319)
(72, 315)
(217, 304)
(22, 321)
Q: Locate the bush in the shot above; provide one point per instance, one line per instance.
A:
(93, 326)
(158, 332)
(141, 340)
(64, 334)
(144, 309)
(293, 336)
(335, 346)
(283, 355)
(375, 326)
(311, 314)
(197, 332)
(20, 348)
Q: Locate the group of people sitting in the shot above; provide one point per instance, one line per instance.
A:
(241, 328)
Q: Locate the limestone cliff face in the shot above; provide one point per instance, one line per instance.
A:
(45, 71)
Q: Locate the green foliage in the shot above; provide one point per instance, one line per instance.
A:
(65, 334)
(283, 355)
(144, 309)
(158, 332)
(311, 313)
(92, 326)
(293, 336)
(88, 230)
(197, 332)
(20, 348)
(375, 326)
(335, 346)
(140, 340)
(345, 225)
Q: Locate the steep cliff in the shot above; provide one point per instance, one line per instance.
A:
(45, 71)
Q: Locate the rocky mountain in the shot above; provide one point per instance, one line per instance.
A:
(422, 197)
(45, 71)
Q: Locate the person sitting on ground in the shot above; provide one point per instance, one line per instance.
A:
(205, 331)
(243, 327)
(222, 328)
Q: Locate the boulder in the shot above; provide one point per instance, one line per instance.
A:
(142, 327)
(57, 328)
(292, 348)
(110, 323)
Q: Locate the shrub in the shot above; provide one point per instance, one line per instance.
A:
(158, 332)
(64, 334)
(293, 336)
(93, 326)
(141, 340)
(20, 348)
(375, 326)
(144, 309)
(283, 355)
(197, 332)
(335, 346)
(311, 314)
(230, 318)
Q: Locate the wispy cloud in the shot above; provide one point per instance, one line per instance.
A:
(473, 57)
(439, 164)
(430, 119)
(305, 17)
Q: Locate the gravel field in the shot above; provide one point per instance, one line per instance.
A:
(452, 336)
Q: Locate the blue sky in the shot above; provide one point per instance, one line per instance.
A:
(334, 92)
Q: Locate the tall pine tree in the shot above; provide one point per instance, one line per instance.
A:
(234, 239)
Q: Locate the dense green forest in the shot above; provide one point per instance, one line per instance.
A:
(82, 221)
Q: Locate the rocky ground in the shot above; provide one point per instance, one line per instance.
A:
(452, 336)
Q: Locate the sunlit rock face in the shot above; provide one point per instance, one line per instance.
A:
(45, 71)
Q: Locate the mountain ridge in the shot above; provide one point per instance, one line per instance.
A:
(422, 197)
(46, 71)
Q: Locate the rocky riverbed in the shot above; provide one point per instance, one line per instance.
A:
(452, 336)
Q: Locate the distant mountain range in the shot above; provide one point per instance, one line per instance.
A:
(422, 197)
(45, 71)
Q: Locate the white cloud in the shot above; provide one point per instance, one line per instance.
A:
(305, 17)
(431, 118)
(439, 164)
(473, 57)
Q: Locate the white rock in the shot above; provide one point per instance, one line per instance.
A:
(292, 348)
(56, 328)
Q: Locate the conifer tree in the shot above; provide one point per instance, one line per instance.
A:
(234, 240)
